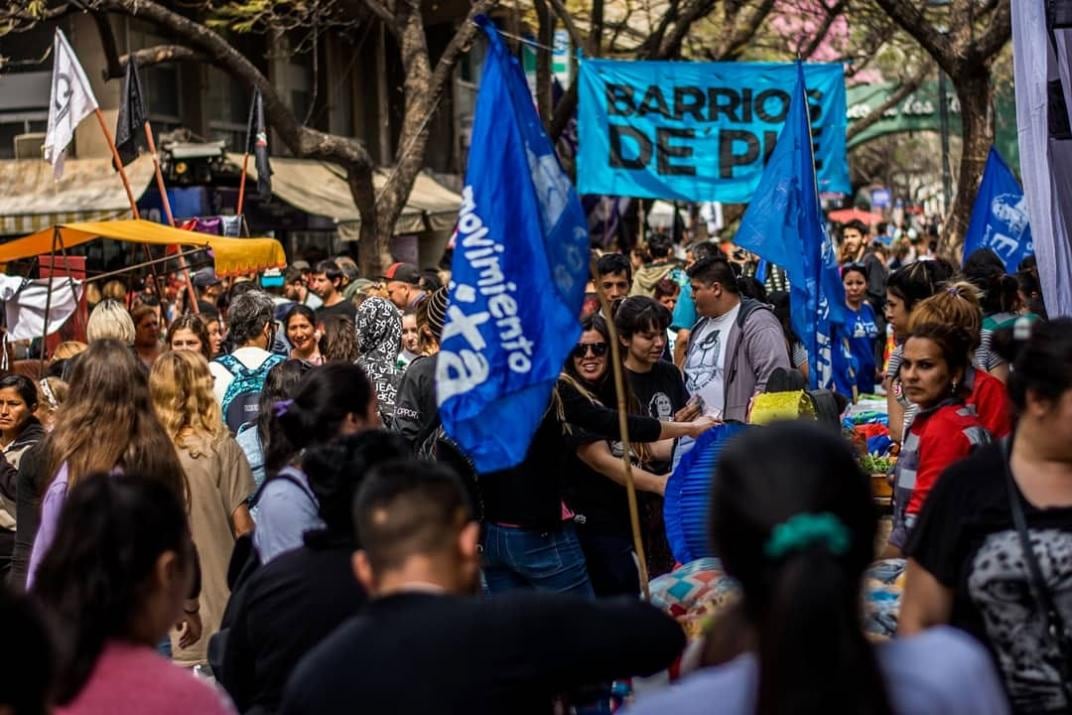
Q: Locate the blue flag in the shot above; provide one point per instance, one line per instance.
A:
(518, 274)
(784, 225)
(999, 217)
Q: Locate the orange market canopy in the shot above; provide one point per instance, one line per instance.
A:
(232, 255)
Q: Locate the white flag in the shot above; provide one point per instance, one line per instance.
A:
(70, 102)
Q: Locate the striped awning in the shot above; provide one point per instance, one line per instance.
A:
(90, 190)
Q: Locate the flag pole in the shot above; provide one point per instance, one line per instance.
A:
(118, 163)
(623, 427)
(159, 175)
(48, 298)
(242, 183)
(183, 267)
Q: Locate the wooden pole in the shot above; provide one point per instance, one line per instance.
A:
(136, 266)
(623, 427)
(48, 300)
(118, 163)
(159, 175)
(242, 185)
(183, 268)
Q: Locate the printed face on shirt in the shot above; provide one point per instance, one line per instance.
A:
(998, 585)
(701, 363)
(185, 339)
(614, 286)
(925, 375)
(646, 347)
(896, 314)
(589, 365)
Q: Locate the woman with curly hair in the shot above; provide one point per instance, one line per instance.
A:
(218, 476)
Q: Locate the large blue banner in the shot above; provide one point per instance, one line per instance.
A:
(518, 273)
(999, 216)
(784, 225)
(700, 131)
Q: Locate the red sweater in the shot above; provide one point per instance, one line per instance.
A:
(991, 402)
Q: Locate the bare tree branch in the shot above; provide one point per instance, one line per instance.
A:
(302, 141)
(671, 43)
(384, 14)
(911, 18)
(998, 32)
(576, 37)
(743, 33)
(459, 44)
(830, 14)
(162, 54)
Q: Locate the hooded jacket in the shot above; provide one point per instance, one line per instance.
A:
(379, 336)
(755, 347)
(645, 279)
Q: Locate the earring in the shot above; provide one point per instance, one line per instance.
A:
(954, 386)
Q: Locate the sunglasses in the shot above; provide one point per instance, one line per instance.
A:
(598, 349)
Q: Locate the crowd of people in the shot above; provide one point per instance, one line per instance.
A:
(261, 493)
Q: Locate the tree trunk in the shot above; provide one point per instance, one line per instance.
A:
(977, 121)
(545, 34)
(374, 245)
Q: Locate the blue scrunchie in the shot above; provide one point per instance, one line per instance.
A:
(804, 530)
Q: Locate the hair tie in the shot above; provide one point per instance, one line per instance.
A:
(952, 290)
(281, 406)
(50, 397)
(803, 530)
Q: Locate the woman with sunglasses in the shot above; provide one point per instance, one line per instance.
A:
(595, 471)
(529, 536)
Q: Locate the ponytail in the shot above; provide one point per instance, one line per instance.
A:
(323, 400)
(812, 648)
(792, 519)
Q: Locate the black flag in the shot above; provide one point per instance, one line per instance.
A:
(132, 116)
(257, 144)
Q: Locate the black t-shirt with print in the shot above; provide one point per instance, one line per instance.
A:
(966, 538)
(660, 393)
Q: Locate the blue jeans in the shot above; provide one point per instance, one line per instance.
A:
(517, 558)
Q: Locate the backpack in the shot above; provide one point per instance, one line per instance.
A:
(241, 402)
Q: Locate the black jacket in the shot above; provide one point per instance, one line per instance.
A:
(285, 609)
(511, 653)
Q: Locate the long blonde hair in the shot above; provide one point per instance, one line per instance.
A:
(180, 386)
(107, 421)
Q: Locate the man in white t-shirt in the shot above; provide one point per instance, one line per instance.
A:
(734, 346)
